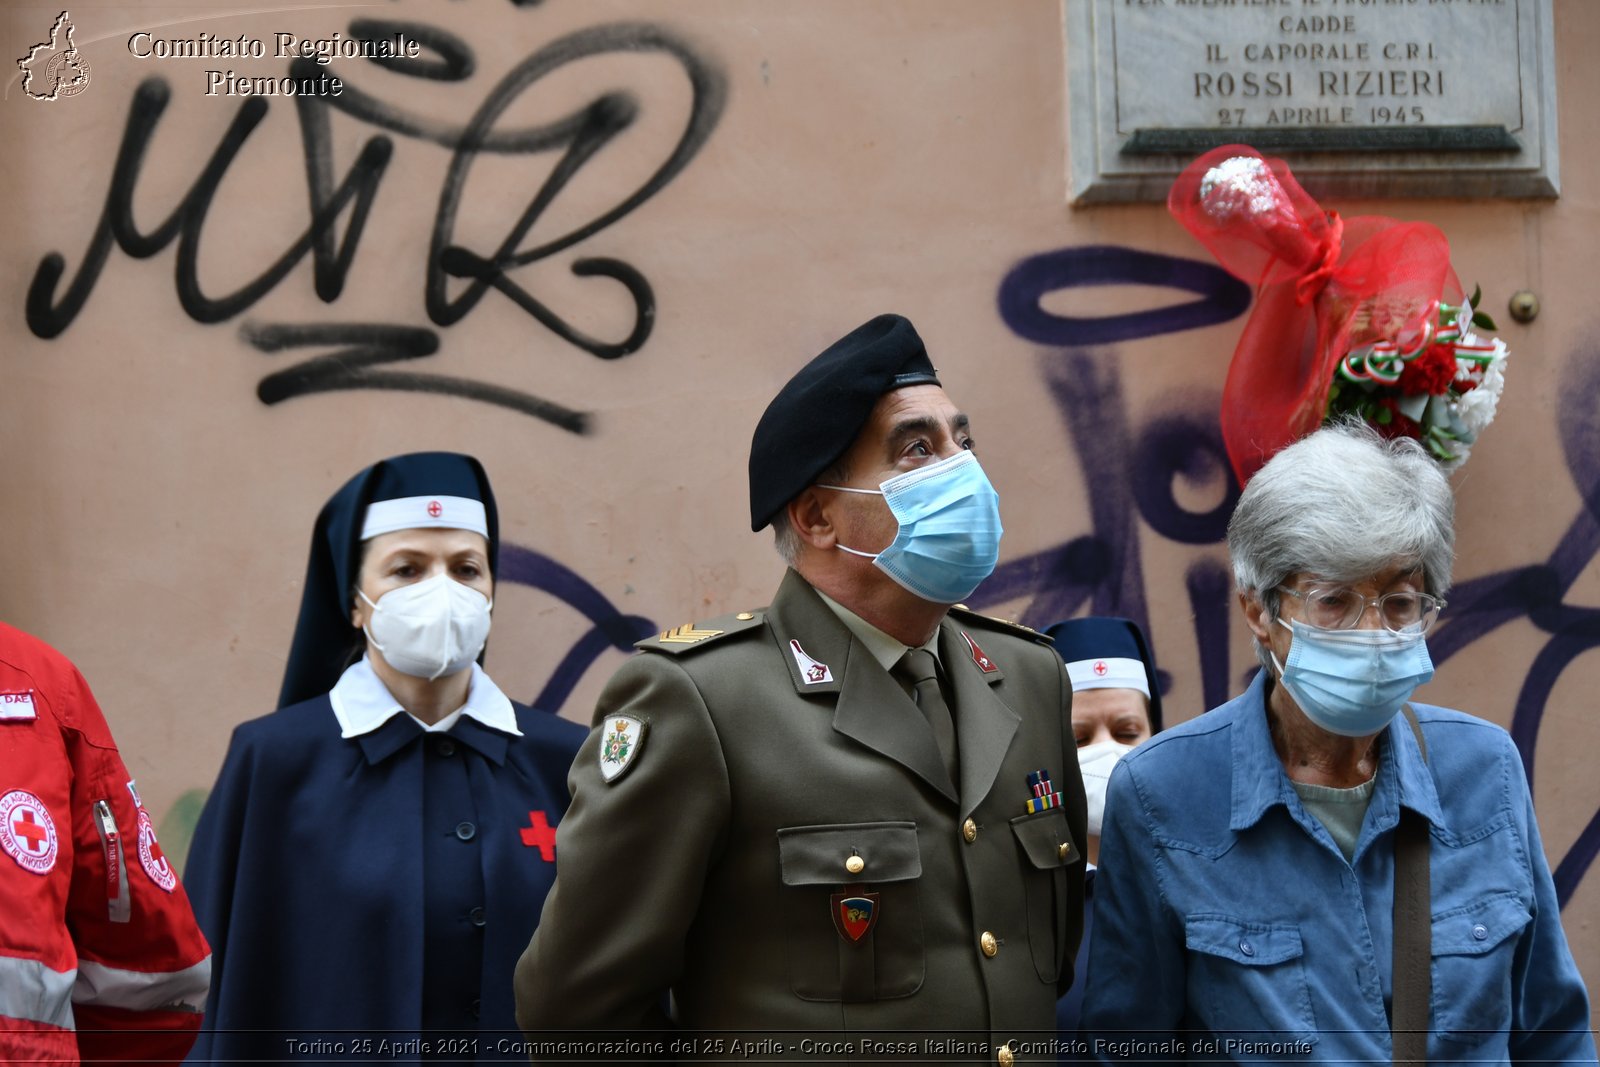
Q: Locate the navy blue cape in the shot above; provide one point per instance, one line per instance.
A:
(346, 885)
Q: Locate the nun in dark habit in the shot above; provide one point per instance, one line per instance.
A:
(1116, 705)
(375, 854)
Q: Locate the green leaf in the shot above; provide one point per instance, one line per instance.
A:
(1479, 318)
(1477, 295)
(1384, 416)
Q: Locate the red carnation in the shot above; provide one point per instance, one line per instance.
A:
(1430, 373)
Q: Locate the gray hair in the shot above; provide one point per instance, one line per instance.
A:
(1343, 504)
(784, 536)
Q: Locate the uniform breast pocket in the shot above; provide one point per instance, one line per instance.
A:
(1249, 976)
(1473, 947)
(850, 910)
(1047, 845)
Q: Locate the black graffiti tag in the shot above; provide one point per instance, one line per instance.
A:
(577, 138)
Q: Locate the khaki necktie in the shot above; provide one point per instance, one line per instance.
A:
(919, 668)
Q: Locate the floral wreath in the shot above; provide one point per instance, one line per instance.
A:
(1353, 317)
(1441, 390)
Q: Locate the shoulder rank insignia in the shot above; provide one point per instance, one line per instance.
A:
(1004, 625)
(692, 636)
(687, 634)
(621, 739)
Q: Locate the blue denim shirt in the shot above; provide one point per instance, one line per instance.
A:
(1224, 912)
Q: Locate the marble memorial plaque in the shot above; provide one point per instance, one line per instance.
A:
(1449, 98)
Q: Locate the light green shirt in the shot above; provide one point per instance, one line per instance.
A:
(1340, 811)
(885, 649)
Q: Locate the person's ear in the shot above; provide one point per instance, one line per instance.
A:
(808, 517)
(1256, 617)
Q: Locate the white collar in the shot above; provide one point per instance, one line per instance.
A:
(883, 648)
(362, 703)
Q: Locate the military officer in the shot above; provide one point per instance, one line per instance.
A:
(855, 812)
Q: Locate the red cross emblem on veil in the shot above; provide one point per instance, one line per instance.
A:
(435, 508)
(1100, 668)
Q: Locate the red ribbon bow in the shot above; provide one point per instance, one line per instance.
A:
(1324, 285)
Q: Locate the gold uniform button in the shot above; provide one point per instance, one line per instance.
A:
(1065, 850)
(744, 616)
(855, 864)
(990, 946)
(969, 831)
(1005, 1057)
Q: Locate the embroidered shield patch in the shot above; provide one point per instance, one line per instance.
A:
(854, 914)
(621, 739)
(27, 832)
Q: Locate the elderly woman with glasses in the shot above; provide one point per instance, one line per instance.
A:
(1248, 901)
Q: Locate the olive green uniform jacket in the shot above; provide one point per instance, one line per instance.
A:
(709, 866)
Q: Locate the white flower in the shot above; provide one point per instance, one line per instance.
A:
(1476, 408)
(1240, 185)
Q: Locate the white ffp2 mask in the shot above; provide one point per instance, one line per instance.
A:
(430, 628)
(1095, 763)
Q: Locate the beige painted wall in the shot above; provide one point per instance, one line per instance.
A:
(901, 154)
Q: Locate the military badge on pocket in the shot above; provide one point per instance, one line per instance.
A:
(854, 913)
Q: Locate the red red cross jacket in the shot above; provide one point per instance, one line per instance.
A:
(100, 956)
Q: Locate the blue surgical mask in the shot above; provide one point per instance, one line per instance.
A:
(949, 537)
(1352, 682)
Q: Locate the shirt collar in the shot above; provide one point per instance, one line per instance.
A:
(362, 703)
(1259, 780)
(883, 648)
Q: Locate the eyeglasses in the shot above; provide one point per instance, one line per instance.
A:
(1332, 607)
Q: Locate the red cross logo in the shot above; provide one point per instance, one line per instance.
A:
(540, 835)
(27, 833)
(1100, 668)
(435, 508)
(30, 831)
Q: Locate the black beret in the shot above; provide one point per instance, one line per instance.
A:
(816, 416)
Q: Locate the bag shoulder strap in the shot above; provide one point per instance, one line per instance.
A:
(1413, 930)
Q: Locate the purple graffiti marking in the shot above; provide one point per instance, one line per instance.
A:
(1222, 296)
(1132, 470)
(1537, 592)
(610, 628)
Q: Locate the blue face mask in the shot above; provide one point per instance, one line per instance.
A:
(949, 537)
(1352, 682)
